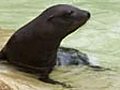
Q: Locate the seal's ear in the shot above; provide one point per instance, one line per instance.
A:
(50, 17)
(53, 16)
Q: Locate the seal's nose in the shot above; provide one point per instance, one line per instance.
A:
(88, 14)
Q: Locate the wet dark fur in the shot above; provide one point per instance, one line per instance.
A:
(34, 46)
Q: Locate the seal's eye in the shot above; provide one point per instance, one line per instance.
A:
(68, 14)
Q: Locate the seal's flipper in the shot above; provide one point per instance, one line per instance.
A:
(54, 82)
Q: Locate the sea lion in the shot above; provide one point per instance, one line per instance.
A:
(34, 46)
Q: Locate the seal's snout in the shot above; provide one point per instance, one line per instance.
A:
(81, 15)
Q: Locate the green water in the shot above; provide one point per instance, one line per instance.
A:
(99, 38)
